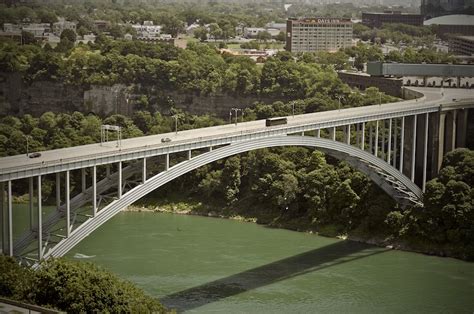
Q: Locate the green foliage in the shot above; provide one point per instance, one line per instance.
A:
(73, 287)
(15, 280)
(446, 220)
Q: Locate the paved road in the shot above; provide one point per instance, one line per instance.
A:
(433, 97)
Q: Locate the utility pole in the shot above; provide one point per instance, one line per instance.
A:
(236, 112)
(339, 103)
(293, 108)
(175, 123)
(27, 144)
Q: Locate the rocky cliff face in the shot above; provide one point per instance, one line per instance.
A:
(18, 98)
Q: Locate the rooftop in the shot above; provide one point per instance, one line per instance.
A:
(470, 38)
(455, 19)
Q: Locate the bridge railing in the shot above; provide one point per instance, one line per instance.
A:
(232, 137)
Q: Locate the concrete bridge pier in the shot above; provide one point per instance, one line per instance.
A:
(3, 224)
(461, 127)
(409, 145)
(450, 131)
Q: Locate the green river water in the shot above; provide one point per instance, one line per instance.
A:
(205, 265)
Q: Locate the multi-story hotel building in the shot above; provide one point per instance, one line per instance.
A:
(318, 34)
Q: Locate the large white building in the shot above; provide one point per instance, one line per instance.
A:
(318, 34)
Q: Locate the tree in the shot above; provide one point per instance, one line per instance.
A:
(172, 25)
(68, 34)
(264, 36)
(215, 31)
(27, 38)
(281, 37)
(200, 33)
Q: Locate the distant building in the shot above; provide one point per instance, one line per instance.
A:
(318, 34)
(434, 8)
(453, 24)
(37, 29)
(62, 25)
(461, 45)
(280, 26)
(147, 29)
(387, 17)
(87, 39)
(390, 86)
(252, 32)
(101, 25)
(163, 38)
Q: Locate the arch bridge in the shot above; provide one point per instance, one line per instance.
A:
(399, 146)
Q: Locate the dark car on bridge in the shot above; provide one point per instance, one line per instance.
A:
(34, 155)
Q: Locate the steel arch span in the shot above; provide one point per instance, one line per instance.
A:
(397, 185)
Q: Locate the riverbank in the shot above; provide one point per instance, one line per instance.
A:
(193, 207)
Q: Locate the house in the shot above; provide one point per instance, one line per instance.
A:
(62, 25)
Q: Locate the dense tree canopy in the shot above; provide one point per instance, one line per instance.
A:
(73, 287)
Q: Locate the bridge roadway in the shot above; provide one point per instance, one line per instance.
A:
(20, 166)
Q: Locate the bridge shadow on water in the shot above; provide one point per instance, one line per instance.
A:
(331, 255)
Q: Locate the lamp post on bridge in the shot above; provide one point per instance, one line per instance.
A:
(339, 102)
(27, 143)
(236, 112)
(175, 123)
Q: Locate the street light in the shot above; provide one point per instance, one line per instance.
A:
(339, 104)
(27, 144)
(176, 123)
(236, 111)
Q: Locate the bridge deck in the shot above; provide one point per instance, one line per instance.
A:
(13, 167)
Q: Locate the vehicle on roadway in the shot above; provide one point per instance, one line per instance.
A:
(34, 155)
(165, 140)
(276, 121)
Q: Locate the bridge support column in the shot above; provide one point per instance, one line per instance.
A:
(450, 131)
(83, 179)
(332, 133)
(190, 154)
(395, 140)
(461, 130)
(167, 161)
(389, 148)
(376, 138)
(348, 134)
(58, 190)
(370, 140)
(68, 203)
(40, 222)
(318, 133)
(119, 194)
(10, 218)
(383, 139)
(144, 170)
(30, 201)
(441, 135)
(402, 144)
(302, 133)
(425, 152)
(107, 170)
(413, 150)
(3, 224)
(210, 148)
(357, 129)
(362, 137)
(94, 191)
